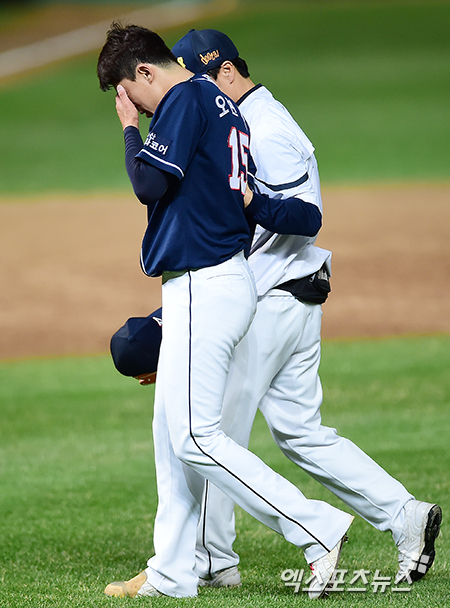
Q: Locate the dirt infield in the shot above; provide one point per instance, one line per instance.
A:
(69, 267)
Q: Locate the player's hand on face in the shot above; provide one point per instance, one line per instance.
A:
(126, 110)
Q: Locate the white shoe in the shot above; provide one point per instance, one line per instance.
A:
(228, 577)
(416, 547)
(135, 587)
(323, 570)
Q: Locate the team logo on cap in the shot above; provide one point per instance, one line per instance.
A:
(209, 56)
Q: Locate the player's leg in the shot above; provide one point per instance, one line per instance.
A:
(200, 351)
(256, 360)
(180, 491)
(292, 411)
(171, 570)
(215, 559)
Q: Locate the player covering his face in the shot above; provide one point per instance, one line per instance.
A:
(292, 283)
(197, 239)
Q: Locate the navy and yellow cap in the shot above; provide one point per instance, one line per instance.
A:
(201, 50)
(135, 346)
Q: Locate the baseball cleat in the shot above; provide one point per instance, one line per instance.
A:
(416, 548)
(323, 570)
(137, 586)
(228, 577)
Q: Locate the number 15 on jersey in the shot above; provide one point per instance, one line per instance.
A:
(238, 142)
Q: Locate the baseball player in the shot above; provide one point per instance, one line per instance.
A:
(275, 367)
(191, 172)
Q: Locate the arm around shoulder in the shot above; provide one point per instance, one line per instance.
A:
(285, 216)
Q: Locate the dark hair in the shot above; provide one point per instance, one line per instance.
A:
(126, 47)
(239, 63)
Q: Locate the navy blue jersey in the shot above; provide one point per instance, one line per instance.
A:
(198, 136)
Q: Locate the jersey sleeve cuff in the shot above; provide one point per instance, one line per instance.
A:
(150, 158)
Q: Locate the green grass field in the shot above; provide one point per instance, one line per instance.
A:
(369, 82)
(78, 485)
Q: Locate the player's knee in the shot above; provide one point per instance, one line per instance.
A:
(193, 448)
(303, 444)
(186, 450)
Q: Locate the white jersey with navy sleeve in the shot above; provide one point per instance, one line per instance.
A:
(197, 135)
(207, 312)
(286, 167)
(275, 367)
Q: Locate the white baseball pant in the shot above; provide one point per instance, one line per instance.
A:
(205, 314)
(275, 367)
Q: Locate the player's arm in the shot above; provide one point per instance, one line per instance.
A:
(284, 216)
(157, 165)
(149, 182)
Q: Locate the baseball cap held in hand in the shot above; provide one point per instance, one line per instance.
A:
(135, 346)
(201, 50)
